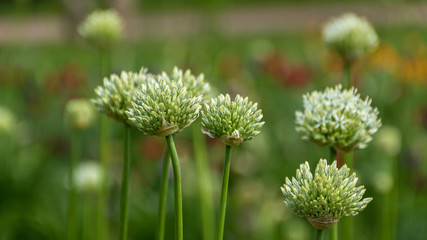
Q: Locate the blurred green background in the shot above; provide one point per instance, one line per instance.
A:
(272, 66)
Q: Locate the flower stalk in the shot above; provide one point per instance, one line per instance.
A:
(177, 188)
(318, 234)
(124, 195)
(224, 191)
(72, 230)
(163, 197)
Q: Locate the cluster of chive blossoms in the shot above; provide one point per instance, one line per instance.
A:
(163, 106)
(350, 35)
(339, 118)
(102, 28)
(231, 121)
(325, 197)
(115, 95)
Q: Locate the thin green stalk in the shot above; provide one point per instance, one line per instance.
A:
(104, 146)
(72, 197)
(163, 197)
(224, 190)
(177, 188)
(334, 229)
(87, 217)
(394, 199)
(347, 223)
(318, 235)
(124, 196)
(205, 186)
(347, 81)
(102, 192)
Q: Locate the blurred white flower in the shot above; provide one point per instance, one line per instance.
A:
(7, 121)
(79, 114)
(389, 140)
(102, 28)
(350, 35)
(88, 177)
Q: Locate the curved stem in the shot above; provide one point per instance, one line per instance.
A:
(224, 190)
(124, 196)
(72, 197)
(318, 234)
(163, 197)
(205, 185)
(177, 188)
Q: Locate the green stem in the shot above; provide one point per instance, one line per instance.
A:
(334, 232)
(205, 186)
(318, 235)
(224, 190)
(72, 197)
(124, 196)
(104, 145)
(333, 154)
(163, 197)
(177, 188)
(347, 223)
(347, 82)
(334, 229)
(394, 200)
(87, 217)
(102, 192)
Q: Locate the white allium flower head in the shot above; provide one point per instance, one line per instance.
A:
(232, 122)
(88, 177)
(163, 106)
(115, 95)
(325, 197)
(350, 35)
(79, 114)
(339, 118)
(196, 85)
(102, 28)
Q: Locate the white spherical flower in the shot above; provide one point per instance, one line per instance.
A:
(88, 177)
(163, 106)
(339, 118)
(350, 35)
(232, 122)
(102, 28)
(79, 114)
(326, 196)
(115, 95)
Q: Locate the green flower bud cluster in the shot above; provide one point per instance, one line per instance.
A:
(231, 121)
(116, 94)
(325, 197)
(351, 36)
(163, 106)
(339, 118)
(102, 28)
(88, 177)
(79, 114)
(196, 85)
